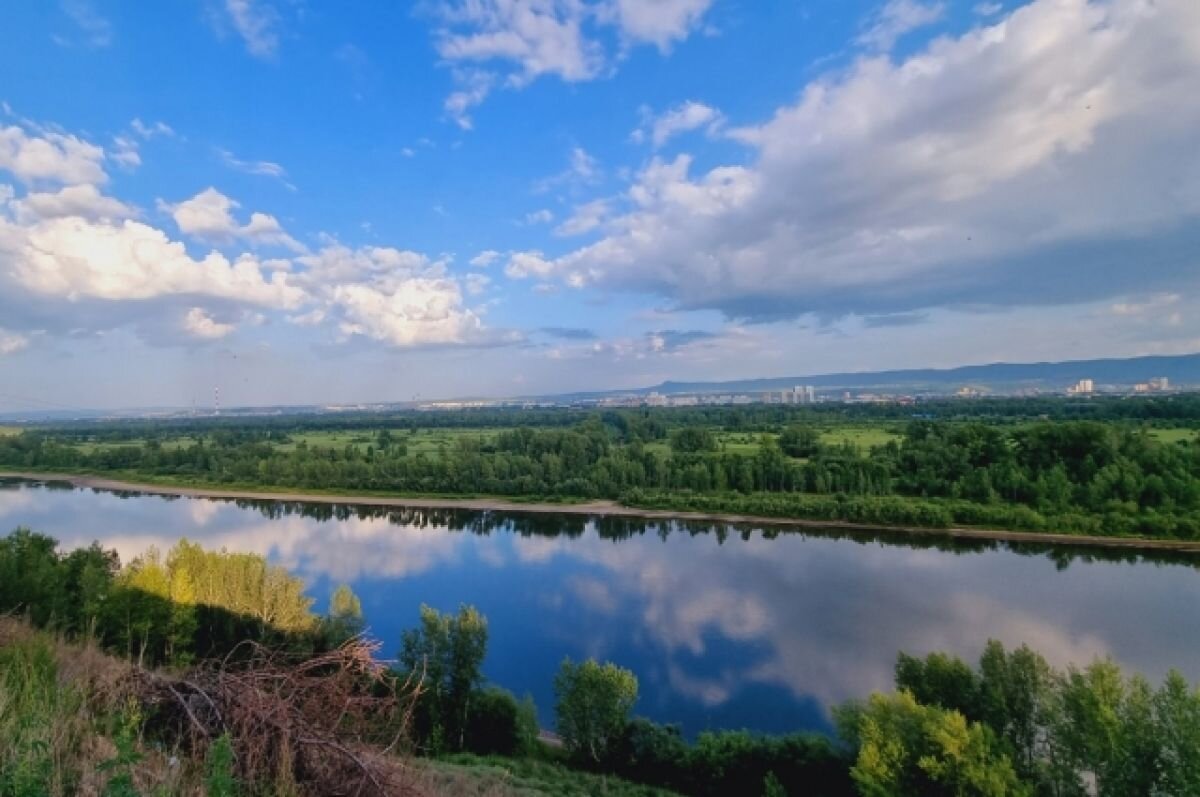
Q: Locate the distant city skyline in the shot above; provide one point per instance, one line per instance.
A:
(308, 203)
(1119, 377)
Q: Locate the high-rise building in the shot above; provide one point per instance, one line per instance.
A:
(799, 394)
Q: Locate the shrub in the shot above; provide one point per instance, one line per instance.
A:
(499, 725)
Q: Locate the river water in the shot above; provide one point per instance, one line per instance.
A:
(726, 626)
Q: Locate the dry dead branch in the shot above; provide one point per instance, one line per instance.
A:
(317, 724)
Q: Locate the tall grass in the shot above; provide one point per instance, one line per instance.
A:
(68, 726)
(43, 724)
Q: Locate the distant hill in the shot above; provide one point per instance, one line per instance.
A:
(1182, 371)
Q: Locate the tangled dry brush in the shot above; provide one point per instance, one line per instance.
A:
(328, 724)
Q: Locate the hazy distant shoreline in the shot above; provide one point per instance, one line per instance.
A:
(598, 508)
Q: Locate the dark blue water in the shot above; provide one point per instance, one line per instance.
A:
(725, 627)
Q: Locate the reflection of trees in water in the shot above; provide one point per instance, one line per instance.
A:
(14, 483)
(622, 527)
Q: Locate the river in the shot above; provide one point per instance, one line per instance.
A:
(726, 626)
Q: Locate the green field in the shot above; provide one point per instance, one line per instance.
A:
(1175, 435)
(863, 437)
(427, 441)
(432, 442)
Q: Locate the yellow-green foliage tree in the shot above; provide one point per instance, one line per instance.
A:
(906, 749)
(194, 602)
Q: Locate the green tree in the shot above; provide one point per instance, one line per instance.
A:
(800, 441)
(1177, 729)
(181, 633)
(593, 705)
(692, 440)
(909, 750)
(940, 680)
(1016, 694)
(1090, 724)
(447, 652)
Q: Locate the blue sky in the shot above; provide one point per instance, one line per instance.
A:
(315, 202)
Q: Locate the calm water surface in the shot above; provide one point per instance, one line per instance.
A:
(726, 626)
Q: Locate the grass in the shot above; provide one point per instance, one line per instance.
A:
(431, 442)
(64, 727)
(1174, 435)
(38, 721)
(863, 437)
(427, 441)
(477, 776)
(740, 442)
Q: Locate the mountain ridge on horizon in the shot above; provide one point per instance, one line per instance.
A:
(1182, 369)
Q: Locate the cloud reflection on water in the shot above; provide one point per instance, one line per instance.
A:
(816, 617)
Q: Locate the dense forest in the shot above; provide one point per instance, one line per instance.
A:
(1088, 467)
(1013, 725)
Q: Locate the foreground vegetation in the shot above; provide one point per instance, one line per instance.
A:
(70, 726)
(1117, 468)
(228, 716)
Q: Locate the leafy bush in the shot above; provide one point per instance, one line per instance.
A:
(499, 725)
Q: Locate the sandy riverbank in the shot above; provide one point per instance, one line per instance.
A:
(604, 508)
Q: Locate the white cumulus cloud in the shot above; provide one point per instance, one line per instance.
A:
(586, 218)
(682, 118)
(208, 216)
(199, 324)
(539, 36)
(659, 22)
(396, 297)
(50, 157)
(485, 258)
(73, 258)
(528, 264)
(519, 41)
(1046, 157)
(83, 200)
(898, 18)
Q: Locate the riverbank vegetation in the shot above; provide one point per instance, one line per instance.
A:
(169, 675)
(1106, 468)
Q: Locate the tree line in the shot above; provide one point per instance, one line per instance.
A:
(1069, 475)
(1177, 410)
(174, 608)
